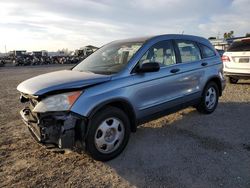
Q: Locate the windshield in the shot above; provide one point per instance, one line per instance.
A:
(243, 45)
(109, 59)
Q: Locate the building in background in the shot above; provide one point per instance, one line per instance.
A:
(223, 44)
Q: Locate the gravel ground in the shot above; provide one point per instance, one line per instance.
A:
(185, 149)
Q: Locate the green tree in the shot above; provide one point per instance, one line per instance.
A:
(229, 35)
(247, 34)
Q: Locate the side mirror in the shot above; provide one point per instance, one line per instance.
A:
(148, 67)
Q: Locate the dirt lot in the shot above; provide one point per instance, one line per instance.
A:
(185, 149)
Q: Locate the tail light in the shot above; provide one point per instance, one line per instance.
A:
(225, 58)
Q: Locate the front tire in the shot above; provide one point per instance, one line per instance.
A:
(108, 134)
(209, 99)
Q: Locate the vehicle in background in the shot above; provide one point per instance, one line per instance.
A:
(86, 51)
(237, 60)
(120, 86)
(20, 57)
(43, 57)
(3, 58)
(23, 58)
(221, 52)
(2, 62)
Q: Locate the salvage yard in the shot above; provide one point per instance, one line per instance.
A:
(185, 149)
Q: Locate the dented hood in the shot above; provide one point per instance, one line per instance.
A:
(60, 80)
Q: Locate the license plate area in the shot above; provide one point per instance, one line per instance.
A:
(244, 60)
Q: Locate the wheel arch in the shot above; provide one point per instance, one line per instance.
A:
(122, 104)
(218, 83)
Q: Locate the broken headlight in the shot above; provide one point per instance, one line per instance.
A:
(59, 102)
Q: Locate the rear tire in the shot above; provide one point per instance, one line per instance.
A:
(108, 134)
(209, 99)
(233, 80)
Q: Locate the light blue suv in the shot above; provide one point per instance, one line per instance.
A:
(120, 86)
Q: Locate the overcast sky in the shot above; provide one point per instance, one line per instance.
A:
(57, 24)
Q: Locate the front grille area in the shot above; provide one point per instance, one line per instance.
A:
(33, 103)
(30, 100)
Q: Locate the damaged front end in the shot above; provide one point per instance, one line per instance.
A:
(61, 128)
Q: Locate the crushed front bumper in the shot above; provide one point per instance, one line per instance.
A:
(58, 128)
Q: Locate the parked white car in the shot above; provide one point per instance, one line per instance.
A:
(237, 60)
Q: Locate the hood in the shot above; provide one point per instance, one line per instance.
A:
(60, 80)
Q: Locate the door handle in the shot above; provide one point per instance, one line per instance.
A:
(204, 64)
(175, 70)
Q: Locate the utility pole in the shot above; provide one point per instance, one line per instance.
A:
(218, 35)
(5, 48)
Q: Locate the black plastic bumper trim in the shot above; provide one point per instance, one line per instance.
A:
(59, 128)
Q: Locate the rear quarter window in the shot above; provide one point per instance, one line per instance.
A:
(206, 51)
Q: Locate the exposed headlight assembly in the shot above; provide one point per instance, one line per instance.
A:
(59, 102)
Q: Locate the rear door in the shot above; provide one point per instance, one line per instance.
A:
(192, 68)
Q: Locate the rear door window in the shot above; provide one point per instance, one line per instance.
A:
(189, 51)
